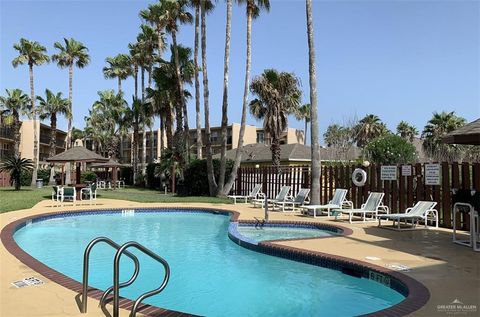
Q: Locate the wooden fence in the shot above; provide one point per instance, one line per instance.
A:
(401, 193)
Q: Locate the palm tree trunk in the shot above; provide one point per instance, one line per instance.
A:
(238, 154)
(275, 149)
(179, 140)
(212, 185)
(119, 85)
(70, 99)
(226, 63)
(162, 129)
(169, 127)
(197, 85)
(135, 152)
(144, 133)
(152, 143)
(135, 78)
(316, 163)
(186, 132)
(16, 133)
(53, 143)
(305, 136)
(35, 132)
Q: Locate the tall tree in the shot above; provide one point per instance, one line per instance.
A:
(254, 8)
(32, 54)
(135, 57)
(406, 130)
(316, 163)
(303, 113)
(278, 96)
(52, 106)
(13, 105)
(175, 14)
(73, 53)
(210, 173)
(119, 67)
(439, 125)
(226, 67)
(369, 128)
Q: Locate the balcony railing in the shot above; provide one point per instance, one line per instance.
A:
(6, 132)
(6, 153)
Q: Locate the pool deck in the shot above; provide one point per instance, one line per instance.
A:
(449, 271)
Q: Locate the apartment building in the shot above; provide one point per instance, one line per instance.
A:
(252, 135)
(26, 140)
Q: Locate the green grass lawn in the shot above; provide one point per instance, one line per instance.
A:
(28, 197)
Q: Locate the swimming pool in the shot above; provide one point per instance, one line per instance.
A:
(211, 275)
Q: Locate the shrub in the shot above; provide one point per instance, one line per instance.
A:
(88, 176)
(43, 174)
(195, 177)
(390, 149)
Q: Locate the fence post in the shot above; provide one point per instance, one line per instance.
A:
(446, 196)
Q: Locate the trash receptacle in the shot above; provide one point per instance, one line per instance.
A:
(39, 183)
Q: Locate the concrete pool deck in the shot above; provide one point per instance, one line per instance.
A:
(449, 271)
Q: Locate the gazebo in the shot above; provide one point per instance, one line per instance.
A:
(468, 134)
(77, 154)
(110, 164)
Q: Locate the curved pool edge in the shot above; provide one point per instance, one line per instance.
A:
(417, 295)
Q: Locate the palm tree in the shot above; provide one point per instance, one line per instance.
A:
(73, 53)
(254, 8)
(16, 166)
(106, 116)
(174, 14)
(134, 116)
(135, 58)
(369, 128)
(406, 130)
(439, 125)
(226, 65)
(303, 113)
(154, 15)
(316, 163)
(14, 104)
(208, 5)
(278, 96)
(119, 67)
(204, 8)
(52, 106)
(32, 54)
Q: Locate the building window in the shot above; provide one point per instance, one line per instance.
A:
(214, 137)
(260, 137)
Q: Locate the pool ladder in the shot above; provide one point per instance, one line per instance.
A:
(121, 249)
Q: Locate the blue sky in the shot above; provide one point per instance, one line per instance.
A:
(401, 60)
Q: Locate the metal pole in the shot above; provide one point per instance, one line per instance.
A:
(266, 207)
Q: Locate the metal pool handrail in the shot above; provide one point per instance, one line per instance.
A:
(86, 257)
(116, 274)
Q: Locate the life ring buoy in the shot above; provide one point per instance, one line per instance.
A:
(359, 177)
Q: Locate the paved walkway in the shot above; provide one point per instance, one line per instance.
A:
(449, 271)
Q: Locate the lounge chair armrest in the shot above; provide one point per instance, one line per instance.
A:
(408, 210)
(348, 203)
(260, 196)
(362, 206)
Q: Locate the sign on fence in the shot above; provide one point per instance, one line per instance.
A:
(432, 174)
(406, 170)
(388, 173)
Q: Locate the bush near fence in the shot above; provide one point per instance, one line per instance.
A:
(399, 194)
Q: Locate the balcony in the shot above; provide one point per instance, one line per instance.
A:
(6, 132)
(4, 153)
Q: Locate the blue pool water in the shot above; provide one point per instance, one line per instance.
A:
(279, 233)
(210, 274)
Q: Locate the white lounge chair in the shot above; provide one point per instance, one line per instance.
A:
(372, 206)
(339, 201)
(298, 200)
(90, 192)
(282, 196)
(254, 194)
(422, 211)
